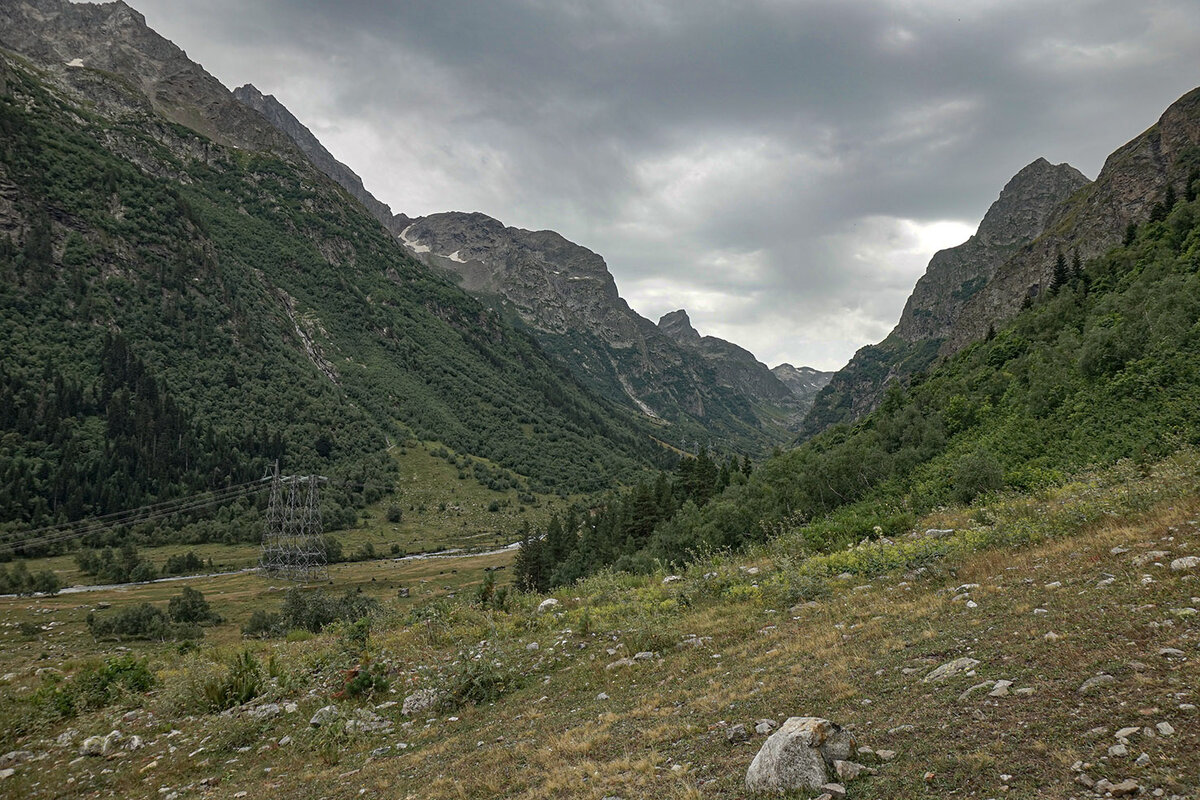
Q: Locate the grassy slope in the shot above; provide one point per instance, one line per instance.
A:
(870, 637)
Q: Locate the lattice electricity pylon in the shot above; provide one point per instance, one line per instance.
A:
(293, 545)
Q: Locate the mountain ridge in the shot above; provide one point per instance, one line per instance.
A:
(952, 278)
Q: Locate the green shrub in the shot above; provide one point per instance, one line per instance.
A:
(263, 625)
(96, 685)
(478, 678)
(142, 621)
(313, 610)
(240, 683)
(189, 606)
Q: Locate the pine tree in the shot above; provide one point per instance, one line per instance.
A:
(1059, 278)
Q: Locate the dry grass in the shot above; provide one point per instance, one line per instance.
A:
(857, 656)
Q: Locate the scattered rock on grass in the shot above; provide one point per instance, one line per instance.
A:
(950, 669)
(1187, 562)
(419, 701)
(1095, 682)
(324, 716)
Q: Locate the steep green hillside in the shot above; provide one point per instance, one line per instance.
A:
(267, 312)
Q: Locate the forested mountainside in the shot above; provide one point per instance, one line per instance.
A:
(708, 389)
(259, 312)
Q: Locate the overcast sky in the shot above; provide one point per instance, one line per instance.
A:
(783, 170)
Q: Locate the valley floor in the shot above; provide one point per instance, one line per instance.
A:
(1102, 586)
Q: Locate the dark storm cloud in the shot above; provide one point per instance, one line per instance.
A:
(782, 169)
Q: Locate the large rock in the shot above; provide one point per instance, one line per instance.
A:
(799, 755)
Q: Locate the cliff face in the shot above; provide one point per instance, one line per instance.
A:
(953, 278)
(73, 39)
(733, 366)
(278, 115)
(956, 274)
(1133, 179)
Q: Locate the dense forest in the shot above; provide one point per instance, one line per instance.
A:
(1104, 366)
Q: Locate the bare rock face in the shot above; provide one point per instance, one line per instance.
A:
(1014, 220)
(73, 40)
(800, 755)
(566, 296)
(805, 382)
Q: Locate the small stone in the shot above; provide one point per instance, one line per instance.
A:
(420, 701)
(1024, 691)
(1001, 689)
(532, 646)
(285, 741)
(1171, 652)
(547, 604)
(1142, 760)
(1125, 733)
(834, 790)
(620, 662)
(763, 728)
(1187, 562)
(324, 716)
(1124, 788)
(602, 696)
(1165, 729)
(1051, 637)
(1118, 751)
(976, 688)
(737, 733)
(645, 655)
(7, 773)
(92, 746)
(672, 578)
(886, 755)
(1083, 780)
(1095, 683)
(849, 770)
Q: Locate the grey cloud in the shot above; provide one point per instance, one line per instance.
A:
(738, 155)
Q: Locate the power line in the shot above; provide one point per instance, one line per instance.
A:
(70, 531)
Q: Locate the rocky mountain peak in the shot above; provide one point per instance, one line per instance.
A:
(1025, 204)
(678, 326)
(956, 274)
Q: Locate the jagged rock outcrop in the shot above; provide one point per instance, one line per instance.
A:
(1132, 180)
(567, 297)
(73, 40)
(278, 115)
(805, 382)
(956, 274)
(1024, 209)
(734, 367)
